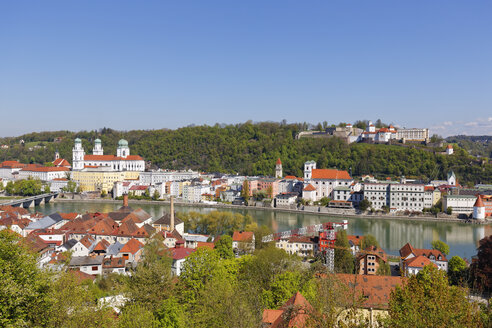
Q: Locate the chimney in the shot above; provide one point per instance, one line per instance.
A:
(125, 200)
(172, 213)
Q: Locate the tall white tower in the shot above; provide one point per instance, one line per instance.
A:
(278, 169)
(123, 150)
(479, 209)
(78, 156)
(98, 149)
(309, 166)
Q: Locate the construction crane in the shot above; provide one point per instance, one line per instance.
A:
(327, 237)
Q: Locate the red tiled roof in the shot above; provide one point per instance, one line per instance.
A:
(290, 177)
(132, 246)
(139, 188)
(479, 202)
(243, 236)
(12, 164)
(270, 316)
(181, 252)
(309, 187)
(205, 244)
(406, 250)
(101, 246)
(61, 162)
(87, 241)
(299, 319)
(418, 262)
(279, 162)
(108, 158)
(375, 289)
(450, 147)
(355, 239)
(69, 216)
(330, 174)
(429, 188)
(60, 179)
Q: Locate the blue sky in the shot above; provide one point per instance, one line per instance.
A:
(165, 64)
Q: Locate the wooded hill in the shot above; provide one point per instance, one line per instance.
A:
(252, 149)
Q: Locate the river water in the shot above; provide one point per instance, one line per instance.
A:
(392, 234)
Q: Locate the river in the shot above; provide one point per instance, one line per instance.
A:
(392, 234)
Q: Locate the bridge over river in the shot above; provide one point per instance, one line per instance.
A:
(32, 201)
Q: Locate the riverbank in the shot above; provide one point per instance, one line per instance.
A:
(274, 209)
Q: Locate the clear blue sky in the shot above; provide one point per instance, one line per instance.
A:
(164, 64)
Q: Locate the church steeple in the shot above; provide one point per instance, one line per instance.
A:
(278, 169)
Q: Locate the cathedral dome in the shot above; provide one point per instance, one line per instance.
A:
(123, 143)
(78, 140)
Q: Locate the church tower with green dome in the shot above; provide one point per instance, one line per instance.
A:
(123, 150)
(98, 149)
(78, 156)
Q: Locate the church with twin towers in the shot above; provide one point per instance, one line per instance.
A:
(122, 161)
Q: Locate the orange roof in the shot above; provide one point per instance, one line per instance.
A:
(61, 162)
(12, 164)
(132, 246)
(479, 202)
(300, 316)
(205, 244)
(428, 188)
(68, 216)
(330, 174)
(60, 179)
(376, 290)
(292, 177)
(450, 147)
(270, 316)
(309, 187)
(355, 239)
(278, 161)
(107, 158)
(102, 245)
(243, 236)
(418, 262)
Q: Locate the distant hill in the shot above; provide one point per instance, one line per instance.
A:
(253, 149)
(475, 145)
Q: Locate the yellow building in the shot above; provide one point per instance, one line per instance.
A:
(100, 180)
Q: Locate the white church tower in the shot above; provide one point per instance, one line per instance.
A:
(309, 166)
(123, 150)
(479, 209)
(98, 149)
(78, 156)
(278, 169)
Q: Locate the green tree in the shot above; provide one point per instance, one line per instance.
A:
(150, 284)
(224, 247)
(171, 314)
(136, 316)
(427, 300)
(198, 268)
(103, 193)
(364, 205)
(245, 191)
(344, 260)
(324, 201)
(156, 195)
(449, 210)
(368, 241)
(23, 286)
(440, 246)
(457, 271)
(73, 304)
(282, 288)
(383, 269)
